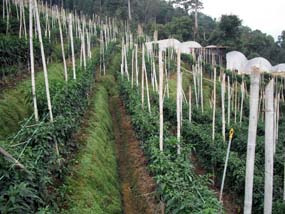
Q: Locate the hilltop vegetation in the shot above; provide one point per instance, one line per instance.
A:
(175, 22)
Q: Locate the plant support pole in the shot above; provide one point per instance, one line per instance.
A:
(32, 62)
(160, 102)
(226, 164)
(269, 142)
(251, 142)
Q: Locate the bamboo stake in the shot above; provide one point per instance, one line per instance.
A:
(269, 142)
(226, 164)
(126, 63)
(12, 159)
(223, 107)
(62, 47)
(122, 60)
(147, 90)
(201, 85)
(137, 66)
(133, 56)
(178, 97)
(242, 100)
(142, 78)
(252, 128)
(44, 62)
(24, 21)
(214, 105)
(21, 18)
(83, 45)
(31, 8)
(154, 74)
(72, 46)
(195, 85)
(190, 104)
(229, 101)
(235, 101)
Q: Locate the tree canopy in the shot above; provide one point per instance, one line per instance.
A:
(176, 18)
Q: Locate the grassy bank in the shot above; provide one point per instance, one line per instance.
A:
(16, 103)
(94, 184)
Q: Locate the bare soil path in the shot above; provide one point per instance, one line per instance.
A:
(137, 186)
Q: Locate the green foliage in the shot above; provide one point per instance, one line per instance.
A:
(179, 187)
(212, 154)
(14, 52)
(35, 147)
(16, 104)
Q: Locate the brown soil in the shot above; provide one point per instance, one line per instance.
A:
(228, 199)
(137, 186)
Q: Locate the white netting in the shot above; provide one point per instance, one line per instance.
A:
(186, 47)
(164, 44)
(259, 62)
(236, 61)
(279, 68)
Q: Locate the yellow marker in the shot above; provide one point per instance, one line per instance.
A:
(232, 132)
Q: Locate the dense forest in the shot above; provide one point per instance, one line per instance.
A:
(179, 22)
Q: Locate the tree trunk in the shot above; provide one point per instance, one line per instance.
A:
(269, 142)
(196, 21)
(129, 10)
(251, 142)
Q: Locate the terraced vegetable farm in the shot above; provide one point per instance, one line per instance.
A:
(101, 113)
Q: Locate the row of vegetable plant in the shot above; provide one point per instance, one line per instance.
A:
(178, 186)
(211, 154)
(33, 188)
